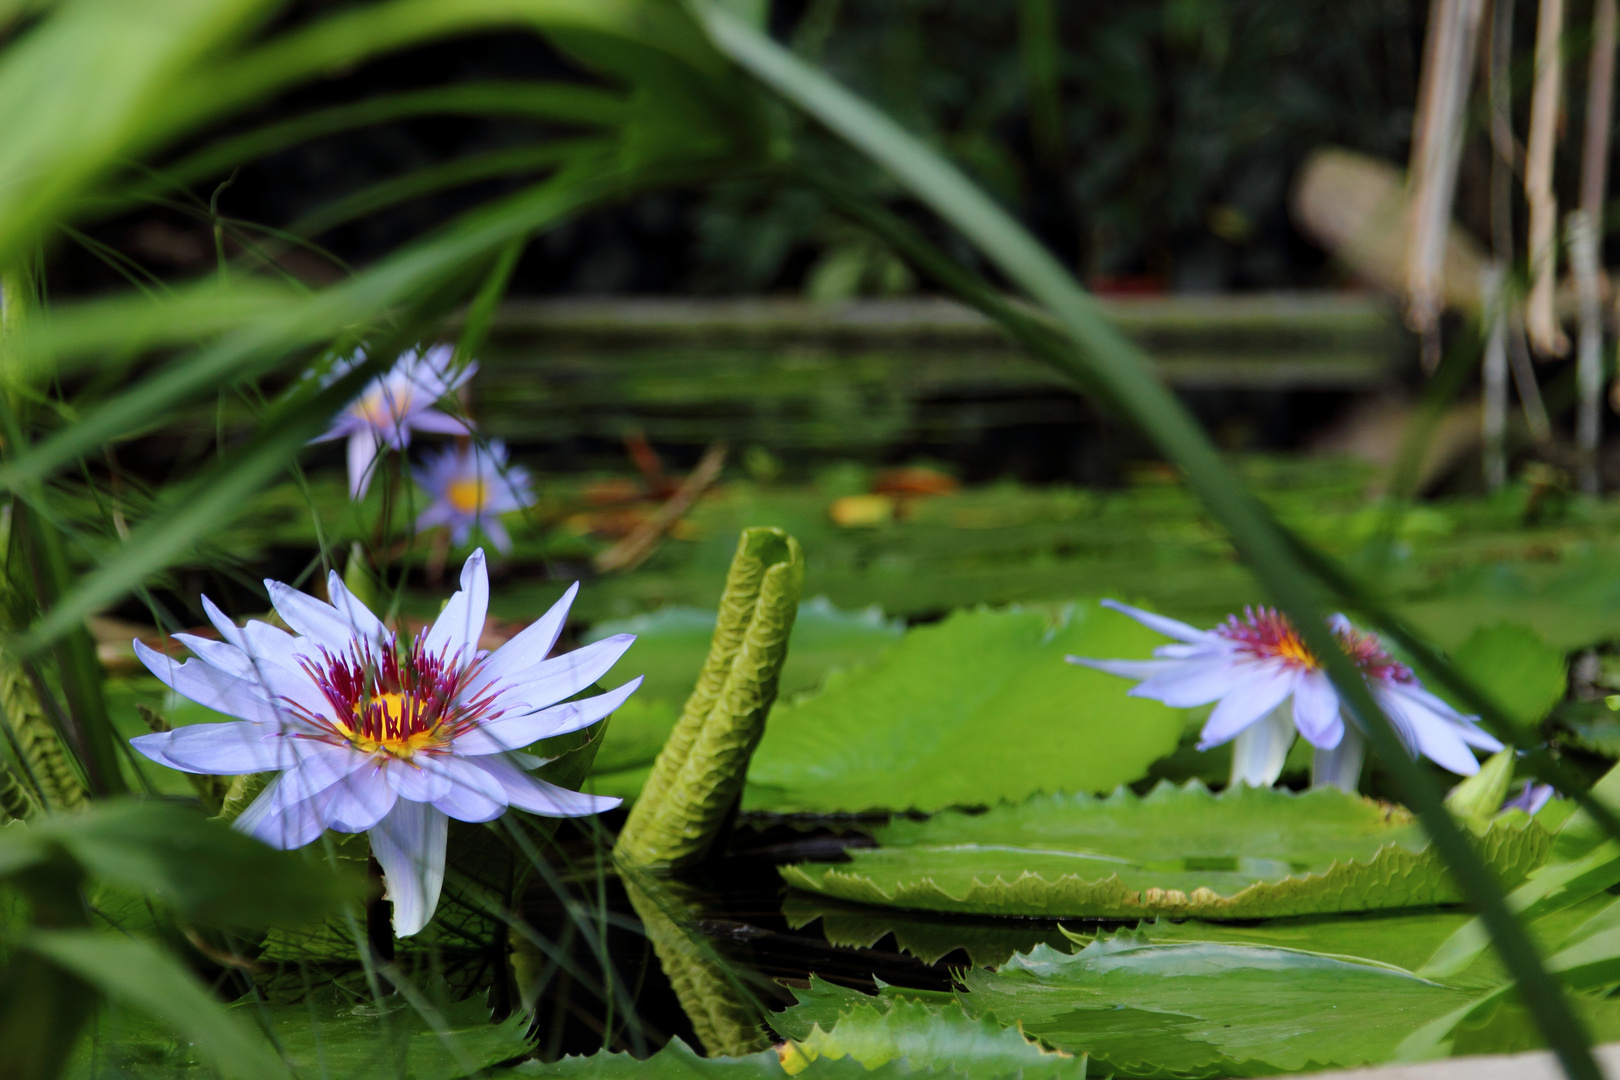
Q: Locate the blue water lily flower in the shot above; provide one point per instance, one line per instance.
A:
(473, 485)
(1531, 798)
(373, 734)
(1266, 684)
(392, 406)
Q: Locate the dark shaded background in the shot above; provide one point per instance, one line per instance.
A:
(1160, 158)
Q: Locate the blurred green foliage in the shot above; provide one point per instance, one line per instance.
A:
(1153, 139)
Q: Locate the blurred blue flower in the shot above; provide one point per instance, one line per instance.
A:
(390, 738)
(472, 486)
(392, 406)
(1531, 799)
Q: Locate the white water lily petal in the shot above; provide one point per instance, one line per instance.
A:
(1424, 732)
(562, 676)
(222, 622)
(274, 681)
(274, 645)
(514, 733)
(365, 625)
(1261, 749)
(474, 795)
(222, 749)
(363, 450)
(1129, 669)
(440, 423)
(1340, 767)
(461, 623)
(527, 649)
(1316, 710)
(273, 821)
(1166, 626)
(539, 796)
(1467, 728)
(215, 689)
(312, 618)
(1264, 689)
(361, 799)
(1195, 682)
(409, 843)
(291, 812)
(226, 657)
(416, 783)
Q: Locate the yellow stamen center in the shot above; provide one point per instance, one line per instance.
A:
(1292, 649)
(377, 409)
(466, 495)
(396, 741)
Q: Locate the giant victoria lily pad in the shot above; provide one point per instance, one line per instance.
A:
(1180, 851)
(970, 711)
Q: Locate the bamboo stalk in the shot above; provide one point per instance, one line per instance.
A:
(1507, 159)
(1541, 320)
(1494, 374)
(1448, 68)
(1584, 257)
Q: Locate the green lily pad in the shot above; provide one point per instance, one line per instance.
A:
(931, 1035)
(670, 647)
(971, 711)
(1208, 1008)
(1516, 666)
(875, 1039)
(1246, 853)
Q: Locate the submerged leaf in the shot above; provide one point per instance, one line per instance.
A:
(1245, 853)
(974, 710)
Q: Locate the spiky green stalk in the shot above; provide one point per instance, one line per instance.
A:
(40, 749)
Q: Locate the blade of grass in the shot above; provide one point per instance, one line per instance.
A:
(508, 161)
(140, 976)
(265, 344)
(565, 102)
(1109, 358)
(196, 509)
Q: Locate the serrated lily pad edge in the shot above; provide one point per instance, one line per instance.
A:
(1394, 877)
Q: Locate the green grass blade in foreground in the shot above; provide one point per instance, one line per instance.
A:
(79, 90)
(1106, 355)
(194, 510)
(508, 161)
(585, 105)
(267, 342)
(140, 976)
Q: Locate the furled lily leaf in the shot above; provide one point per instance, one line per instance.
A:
(968, 712)
(1246, 853)
(1205, 1008)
